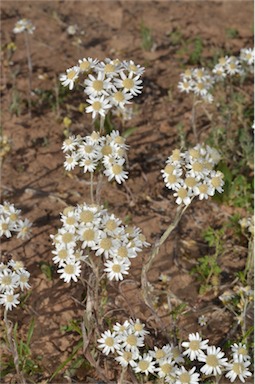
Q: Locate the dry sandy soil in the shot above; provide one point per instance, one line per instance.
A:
(34, 179)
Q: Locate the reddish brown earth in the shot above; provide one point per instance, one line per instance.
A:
(34, 179)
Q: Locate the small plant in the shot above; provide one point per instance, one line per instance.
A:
(146, 38)
(208, 270)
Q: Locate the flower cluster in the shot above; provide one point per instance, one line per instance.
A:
(201, 81)
(13, 276)
(90, 152)
(24, 25)
(109, 84)
(191, 173)
(127, 339)
(89, 228)
(10, 221)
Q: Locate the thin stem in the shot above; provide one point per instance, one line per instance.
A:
(193, 118)
(121, 378)
(102, 120)
(13, 348)
(91, 187)
(30, 69)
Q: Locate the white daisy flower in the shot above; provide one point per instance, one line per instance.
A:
(126, 358)
(186, 85)
(120, 98)
(9, 300)
(238, 369)
(162, 353)
(24, 25)
(121, 328)
(203, 191)
(70, 144)
(105, 245)
(70, 77)
(233, 66)
(172, 181)
(62, 255)
(70, 271)
(195, 346)
(109, 67)
(69, 221)
(67, 239)
(216, 181)
(108, 342)
(129, 84)
(183, 196)
(176, 354)
(9, 280)
(166, 368)
(133, 68)
(16, 265)
(187, 74)
(115, 171)
(240, 352)
(138, 328)
(23, 277)
(200, 88)
(88, 165)
(131, 342)
(112, 225)
(86, 64)
(5, 227)
(71, 162)
(187, 377)
(116, 268)
(202, 320)
(23, 228)
(89, 235)
(219, 72)
(247, 55)
(200, 74)
(145, 364)
(97, 86)
(214, 361)
(99, 106)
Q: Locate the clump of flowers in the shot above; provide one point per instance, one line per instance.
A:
(201, 81)
(90, 228)
(13, 277)
(191, 173)
(127, 342)
(94, 151)
(24, 25)
(108, 84)
(11, 221)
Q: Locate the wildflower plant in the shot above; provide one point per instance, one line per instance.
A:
(127, 342)
(89, 232)
(191, 173)
(12, 222)
(108, 84)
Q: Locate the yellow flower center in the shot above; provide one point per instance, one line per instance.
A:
(127, 355)
(71, 74)
(88, 235)
(190, 182)
(176, 155)
(9, 298)
(194, 345)
(118, 96)
(216, 182)
(24, 278)
(70, 221)
(242, 351)
(169, 168)
(86, 216)
(116, 169)
(160, 354)
(96, 105)
(111, 225)
(85, 66)
(194, 153)
(106, 150)
(238, 368)
(109, 341)
(212, 361)
(182, 193)
(106, 243)
(131, 340)
(6, 280)
(13, 217)
(67, 237)
(62, 254)
(166, 368)
(5, 226)
(143, 365)
(128, 83)
(132, 67)
(109, 68)
(116, 268)
(122, 252)
(69, 269)
(98, 85)
(185, 378)
(172, 179)
(138, 327)
(203, 188)
(197, 167)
